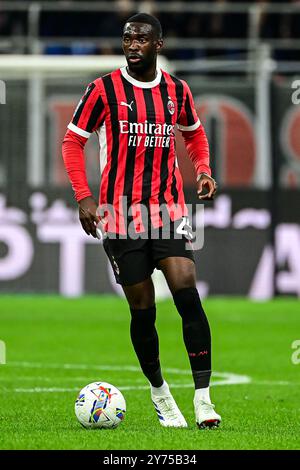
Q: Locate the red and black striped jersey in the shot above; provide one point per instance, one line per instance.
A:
(135, 122)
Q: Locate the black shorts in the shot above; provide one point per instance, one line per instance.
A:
(133, 261)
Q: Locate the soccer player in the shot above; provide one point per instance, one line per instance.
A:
(134, 111)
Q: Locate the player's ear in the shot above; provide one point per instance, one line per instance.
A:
(159, 45)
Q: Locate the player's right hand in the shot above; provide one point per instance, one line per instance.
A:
(207, 187)
(88, 215)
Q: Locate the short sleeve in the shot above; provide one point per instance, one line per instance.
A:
(90, 112)
(188, 119)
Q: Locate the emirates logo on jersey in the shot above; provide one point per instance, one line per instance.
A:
(171, 106)
(147, 134)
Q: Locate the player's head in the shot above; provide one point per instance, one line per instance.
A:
(142, 41)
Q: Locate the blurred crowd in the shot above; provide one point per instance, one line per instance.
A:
(98, 26)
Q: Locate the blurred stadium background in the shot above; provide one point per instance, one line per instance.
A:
(242, 63)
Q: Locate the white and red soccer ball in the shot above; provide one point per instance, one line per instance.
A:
(100, 405)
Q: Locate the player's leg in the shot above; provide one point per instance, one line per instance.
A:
(181, 278)
(180, 275)
(133, 266)
(141, 300)
(132, 269)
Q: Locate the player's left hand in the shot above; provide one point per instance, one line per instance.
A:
(206, 187)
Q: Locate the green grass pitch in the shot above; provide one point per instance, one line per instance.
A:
(56, 346)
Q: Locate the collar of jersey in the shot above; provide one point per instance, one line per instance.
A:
(135, 82)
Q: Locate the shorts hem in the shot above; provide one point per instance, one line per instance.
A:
(174, 256)
(132, 283)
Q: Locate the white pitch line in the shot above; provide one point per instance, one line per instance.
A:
(45, 390)
(32, 378)
(228, 378)
(275, 382)
(126, 388)
(40, 365)
(143, 387)
(127, 368)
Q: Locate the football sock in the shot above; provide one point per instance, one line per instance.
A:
(202, 394)
(196, 334)
(160, 391)
(145, 342)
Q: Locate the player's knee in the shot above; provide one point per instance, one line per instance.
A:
(183, 277)
(141, 304)
(188, 281)
(140, 296)
(141, 300)
(188, 303)
(184, 281)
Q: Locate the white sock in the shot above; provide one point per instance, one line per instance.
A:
(162, 390)
(202, 394)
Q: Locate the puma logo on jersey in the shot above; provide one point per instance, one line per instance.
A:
(126, 104)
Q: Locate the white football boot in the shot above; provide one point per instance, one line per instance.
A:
(168, 412)
(206, 417)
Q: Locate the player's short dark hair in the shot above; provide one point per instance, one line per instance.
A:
(148, 19)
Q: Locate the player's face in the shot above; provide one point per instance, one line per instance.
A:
(140, 46)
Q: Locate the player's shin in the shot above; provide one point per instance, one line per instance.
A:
(197, 339)
(196, 334)
(145, 342)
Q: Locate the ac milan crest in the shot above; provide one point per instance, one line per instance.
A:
(171, 106)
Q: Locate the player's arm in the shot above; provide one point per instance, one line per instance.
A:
(197, 146)
(88, 116)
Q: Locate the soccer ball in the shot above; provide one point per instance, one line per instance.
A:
(100, 405)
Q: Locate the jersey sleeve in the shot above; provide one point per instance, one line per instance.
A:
(188, 119)
(73, 156)
(89, 114)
